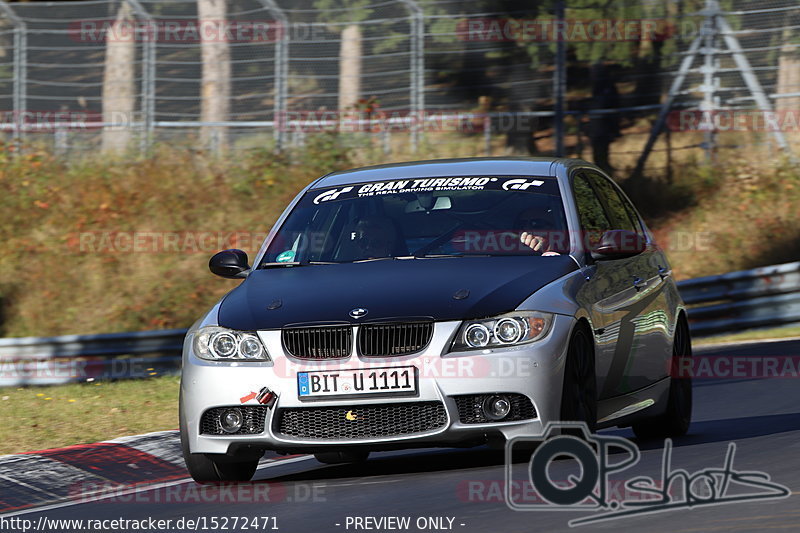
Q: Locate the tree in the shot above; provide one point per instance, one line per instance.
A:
(351, 48)
(216, 77)
(789, 72)
(119, 99)
(350, 54)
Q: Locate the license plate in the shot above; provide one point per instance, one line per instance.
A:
(357, 382)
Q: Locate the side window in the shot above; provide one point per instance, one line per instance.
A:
(633, 216)
(593, 218)
(637, 222)
(617, 210)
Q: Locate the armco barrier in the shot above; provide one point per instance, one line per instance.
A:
(76, 358)
(767, 296)
(762, 297)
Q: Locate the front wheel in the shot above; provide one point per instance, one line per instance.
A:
(676, 419)
(579, 393)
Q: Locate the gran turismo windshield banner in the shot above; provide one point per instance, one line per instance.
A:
(542, 185)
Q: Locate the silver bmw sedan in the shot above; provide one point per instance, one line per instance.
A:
(436, 303)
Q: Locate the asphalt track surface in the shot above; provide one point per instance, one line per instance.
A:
(760, 415)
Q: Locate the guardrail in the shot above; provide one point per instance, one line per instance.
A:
(762, 297)
(78, 358)
(767, 296)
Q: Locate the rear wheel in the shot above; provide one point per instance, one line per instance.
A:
(334, 458)
(676, 419)
(211, 468)
(579, 393)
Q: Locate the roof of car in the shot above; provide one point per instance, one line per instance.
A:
(474, 166)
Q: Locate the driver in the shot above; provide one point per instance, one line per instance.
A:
(537, 226)
(374, 237)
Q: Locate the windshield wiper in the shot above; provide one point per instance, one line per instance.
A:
(424, 256)
(281, 264)
(296, 263)
(368, 260)
(436, 256)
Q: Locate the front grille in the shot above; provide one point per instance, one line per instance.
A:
(360, 422)
(470, 408)
(330, 342)
(381, 340)
(253, 417)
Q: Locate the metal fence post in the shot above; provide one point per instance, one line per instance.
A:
(560, 81)
(20, 90)
(487, 134)
(710, 84)
(149, 39)
(281, 73)
(746, 69)
(417, 82)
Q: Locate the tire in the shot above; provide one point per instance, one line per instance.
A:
(213, 468)
(335, 458)
(579, 392)
(675, 421)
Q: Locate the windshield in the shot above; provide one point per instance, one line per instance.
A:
(429, 217)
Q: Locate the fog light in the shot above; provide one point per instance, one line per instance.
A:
(231, 420)
(496, 407)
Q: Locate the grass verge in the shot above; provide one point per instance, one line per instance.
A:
(38, 418)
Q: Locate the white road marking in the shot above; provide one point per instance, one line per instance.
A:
(133, 438)
(365, 483)
(136, 490)
(27, 486)
(730, 344)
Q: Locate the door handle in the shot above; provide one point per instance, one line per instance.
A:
(637, 283)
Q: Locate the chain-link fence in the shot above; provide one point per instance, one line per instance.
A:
(116, 74)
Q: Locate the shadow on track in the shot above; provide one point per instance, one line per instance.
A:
(725, 430)
(429, 460)
(440, 460)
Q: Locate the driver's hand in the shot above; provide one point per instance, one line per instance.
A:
(536, 243)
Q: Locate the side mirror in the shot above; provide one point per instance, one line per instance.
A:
(229, 264)
(619, 244)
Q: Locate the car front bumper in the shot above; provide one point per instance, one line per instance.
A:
(534, 370)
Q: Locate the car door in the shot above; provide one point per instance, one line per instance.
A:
(643, 344)
(608, 293)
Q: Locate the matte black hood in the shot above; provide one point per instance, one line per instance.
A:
(388, 289)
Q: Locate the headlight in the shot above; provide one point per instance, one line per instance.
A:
(222, 344)
(515, 328)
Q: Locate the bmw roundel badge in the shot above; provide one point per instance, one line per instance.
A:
(358, 312)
